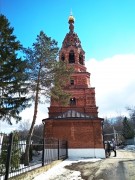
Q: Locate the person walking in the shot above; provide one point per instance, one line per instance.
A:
(114, 147)
(108, 149)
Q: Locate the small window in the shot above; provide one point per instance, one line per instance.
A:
(72, 101)
(62, 57)
(71, 82)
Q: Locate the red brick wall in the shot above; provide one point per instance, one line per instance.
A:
(79, 133)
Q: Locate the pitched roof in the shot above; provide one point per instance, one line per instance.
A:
(72, 114)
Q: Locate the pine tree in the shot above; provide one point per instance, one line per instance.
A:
(15, 153)
(128, 131)
(13, 75)
(131, 111)
(47, 76)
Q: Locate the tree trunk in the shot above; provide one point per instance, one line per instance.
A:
(28, 140)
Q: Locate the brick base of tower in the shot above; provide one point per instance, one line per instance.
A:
(84, 136)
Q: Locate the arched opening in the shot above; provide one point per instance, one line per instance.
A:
(71, 82)
(81, 58)
(72, 101)
(62, 57)
(71, 57)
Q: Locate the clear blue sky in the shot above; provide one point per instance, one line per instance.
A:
(105, 27)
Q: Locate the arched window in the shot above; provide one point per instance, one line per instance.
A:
(72, 101)
(71, 57)
(62, 57)
(71, 82)
(81, 58)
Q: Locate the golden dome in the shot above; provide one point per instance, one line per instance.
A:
(71, 18)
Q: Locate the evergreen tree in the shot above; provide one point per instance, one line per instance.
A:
(13, 76)
(47, 77)
(131, 111)
(128, 131)
(15, 153)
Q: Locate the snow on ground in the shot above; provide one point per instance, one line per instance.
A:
(130, 148)
(59, 170)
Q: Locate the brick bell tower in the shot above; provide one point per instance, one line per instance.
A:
(78, 122)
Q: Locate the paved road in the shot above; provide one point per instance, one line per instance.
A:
(121, 167)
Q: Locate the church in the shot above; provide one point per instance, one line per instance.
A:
(77, 122)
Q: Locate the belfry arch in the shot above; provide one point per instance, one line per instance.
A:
(81, 59)
(62, 57)
(71, 56)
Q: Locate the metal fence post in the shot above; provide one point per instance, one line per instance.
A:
(66, 149)
(58, 150)
(9, 152)
(43, 153)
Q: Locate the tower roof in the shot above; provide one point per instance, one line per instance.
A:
(71, 38)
